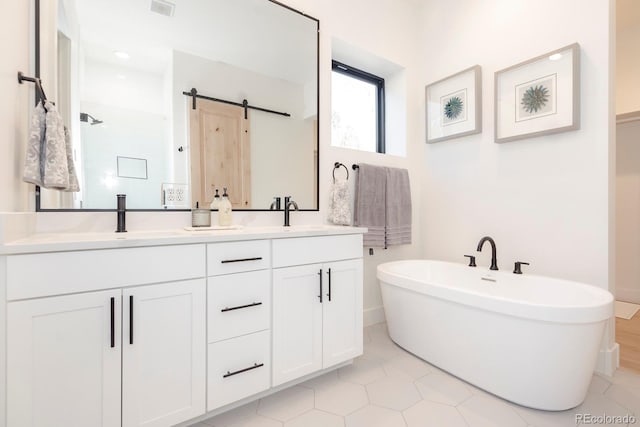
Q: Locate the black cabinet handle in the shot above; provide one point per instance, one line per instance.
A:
(329, 273)
(228, 261)
(113, 322)
(130, 319)
(255, 366)
(240, 306)
(320, 296)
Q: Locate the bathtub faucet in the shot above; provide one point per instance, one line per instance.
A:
(494, 260)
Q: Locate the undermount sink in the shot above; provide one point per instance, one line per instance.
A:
(149, 234)
(311, 227)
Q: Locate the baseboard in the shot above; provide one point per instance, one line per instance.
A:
(373, 315)
(628, 295)
(608, 360)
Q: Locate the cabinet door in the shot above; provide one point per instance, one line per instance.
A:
(342, 312)
(63, 365)
(163, 356)
(297, 322)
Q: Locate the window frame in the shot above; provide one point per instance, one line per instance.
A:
(378, 82)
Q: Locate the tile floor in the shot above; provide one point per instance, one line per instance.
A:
(388, 387)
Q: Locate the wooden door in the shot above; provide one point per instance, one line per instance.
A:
(163, 353)
(63, 362)
(220, 153)
(297, 322)
(342, 312)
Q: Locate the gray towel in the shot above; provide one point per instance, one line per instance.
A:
(370, 204)
(33, 166)
(398, 207)
(56, 168)
(340, 203)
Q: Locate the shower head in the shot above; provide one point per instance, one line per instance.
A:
(84, 117)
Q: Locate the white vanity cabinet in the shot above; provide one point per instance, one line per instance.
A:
(317, 306)
(160, 335)
(64, 361)
(72, 359)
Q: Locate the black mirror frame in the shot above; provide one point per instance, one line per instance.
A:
(316, 209)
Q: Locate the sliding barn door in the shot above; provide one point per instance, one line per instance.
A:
(220, 153)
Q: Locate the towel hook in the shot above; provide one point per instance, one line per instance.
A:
(337, 165)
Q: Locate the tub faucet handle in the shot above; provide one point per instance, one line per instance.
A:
(517, 269)
(472, 260)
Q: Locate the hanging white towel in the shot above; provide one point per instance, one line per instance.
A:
(340, 203)
(56, 168)
(73, 175)
(33, 164)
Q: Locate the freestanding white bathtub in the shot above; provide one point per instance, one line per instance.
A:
(528, 339)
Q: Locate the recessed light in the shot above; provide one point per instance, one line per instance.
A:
(555, 56)
(122, 55)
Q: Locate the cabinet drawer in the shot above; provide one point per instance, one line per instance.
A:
(234, 257)
(238, 368)
(309, 250)
(239, 304)
(38, 275)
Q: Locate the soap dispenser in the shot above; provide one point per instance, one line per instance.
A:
(216, 201)
(224, 210)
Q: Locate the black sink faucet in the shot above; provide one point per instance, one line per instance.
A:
(287, 207)
(122, 209)
(494, 260)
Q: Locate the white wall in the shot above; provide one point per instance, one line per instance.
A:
(544, 200)
(628, 70)
(16, 43)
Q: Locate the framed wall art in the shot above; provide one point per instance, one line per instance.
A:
(538, 97)
(454, 105)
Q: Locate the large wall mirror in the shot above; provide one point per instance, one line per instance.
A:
(125, 74)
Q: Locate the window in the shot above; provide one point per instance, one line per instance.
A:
(357, 109)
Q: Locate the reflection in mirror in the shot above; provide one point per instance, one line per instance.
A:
(126, 69)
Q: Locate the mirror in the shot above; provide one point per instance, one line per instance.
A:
(167, 101)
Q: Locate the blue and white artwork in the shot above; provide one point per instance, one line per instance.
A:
(454, 107)
(536, 98)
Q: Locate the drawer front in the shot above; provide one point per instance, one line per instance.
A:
(310, 250)
(38, 275)
(238, 368)
(235, 257)
(239, 304)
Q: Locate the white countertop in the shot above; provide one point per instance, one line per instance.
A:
(57, 242)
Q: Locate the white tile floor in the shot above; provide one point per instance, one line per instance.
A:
(388, 387)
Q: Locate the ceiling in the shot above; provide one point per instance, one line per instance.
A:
(627, 14)
(257, 35)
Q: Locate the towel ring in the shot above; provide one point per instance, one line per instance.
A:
(337, 165)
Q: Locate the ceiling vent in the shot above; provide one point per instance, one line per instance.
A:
(163, 7)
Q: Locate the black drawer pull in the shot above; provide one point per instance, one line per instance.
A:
(113, 322)
(329, 294)
(320, 275)
(228, 261)
(240, 306)
(255, 366)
